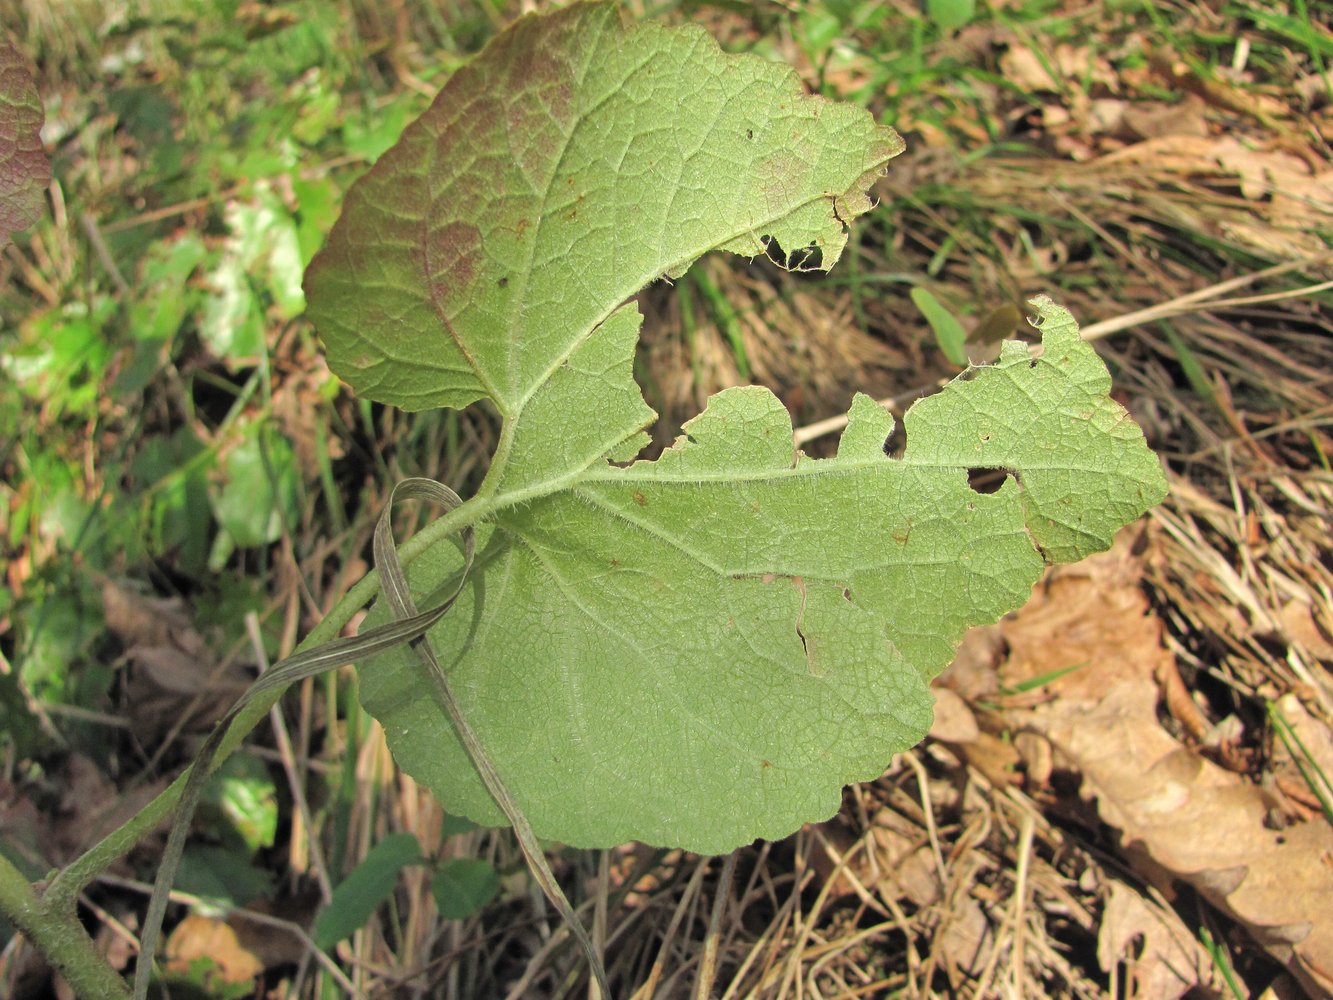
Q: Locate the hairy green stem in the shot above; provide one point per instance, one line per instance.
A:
(53, 915)
(59, 936)
(64, 890)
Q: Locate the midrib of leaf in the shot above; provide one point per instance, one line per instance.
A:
(635, 286)
(486, 505)
(489, 504)
(520, 298)
(683, 547)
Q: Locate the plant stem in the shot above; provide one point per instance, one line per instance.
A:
(65, 888)
(59, 936)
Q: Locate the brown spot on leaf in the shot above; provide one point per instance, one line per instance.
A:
(640, 499)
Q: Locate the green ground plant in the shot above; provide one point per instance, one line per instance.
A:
(697, 650)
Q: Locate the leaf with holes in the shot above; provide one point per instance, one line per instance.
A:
(702, 649)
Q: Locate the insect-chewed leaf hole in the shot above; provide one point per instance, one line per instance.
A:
(988, 480)
(807, 258)
(896, 442)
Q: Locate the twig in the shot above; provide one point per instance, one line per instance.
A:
(94, 235)
(923, 786)
(649, 987)
(1020, 901)
(703, 988)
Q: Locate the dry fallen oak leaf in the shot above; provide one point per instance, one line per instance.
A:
(1180, 814)
(1170, 961)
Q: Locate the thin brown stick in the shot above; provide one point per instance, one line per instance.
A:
(1179, 306)
(703, 986)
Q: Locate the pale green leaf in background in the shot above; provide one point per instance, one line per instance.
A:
(260, 489)
(222, 875)
(262, 253)
(949, 333)
(244, 793)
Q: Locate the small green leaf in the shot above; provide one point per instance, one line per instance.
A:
(164, 297)
(25, 169)
(244, 792)
(222, 875)
(368, 885)
(949, 333)
(463, 887)
(950, 15)
(260, 489)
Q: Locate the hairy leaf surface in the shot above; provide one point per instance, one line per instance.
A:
(702, 649)
(25, 169)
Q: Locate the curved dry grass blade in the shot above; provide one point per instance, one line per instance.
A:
(281, 675)
(396, 591)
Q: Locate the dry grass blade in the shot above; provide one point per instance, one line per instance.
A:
(399, 597)
(1203, 300)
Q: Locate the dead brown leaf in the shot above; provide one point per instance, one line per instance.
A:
(199, 938)
(1051, 70)
(1183, 816)
(1314, 745)
(954, 721)
(175, 674)
(1150, 119)
(139, 620)
(1165, 960)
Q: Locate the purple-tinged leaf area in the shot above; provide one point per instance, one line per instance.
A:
(25, 169)
(575, 160)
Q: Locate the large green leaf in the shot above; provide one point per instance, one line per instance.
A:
(24, 166)
(700, 650)
(571, 164)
